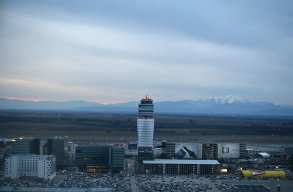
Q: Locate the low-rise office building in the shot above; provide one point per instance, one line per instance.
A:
(93, 158)
(175, 166)
(40, 166)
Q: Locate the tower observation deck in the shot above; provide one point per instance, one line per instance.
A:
(145, 123)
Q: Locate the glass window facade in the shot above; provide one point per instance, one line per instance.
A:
(93, 158)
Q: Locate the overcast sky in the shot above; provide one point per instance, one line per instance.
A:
(115, 51)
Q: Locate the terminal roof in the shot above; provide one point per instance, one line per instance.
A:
(180, 161)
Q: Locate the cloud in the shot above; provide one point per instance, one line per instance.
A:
(122, 55)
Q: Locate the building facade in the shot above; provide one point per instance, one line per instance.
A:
(40, 166)
(22, 146)
(209, 151)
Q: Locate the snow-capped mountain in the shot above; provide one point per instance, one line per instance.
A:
(226, 99)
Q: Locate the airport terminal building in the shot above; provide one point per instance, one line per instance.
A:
(175, 166)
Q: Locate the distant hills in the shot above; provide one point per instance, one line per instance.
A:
(212, 106)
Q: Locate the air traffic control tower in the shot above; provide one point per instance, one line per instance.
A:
(145, 129)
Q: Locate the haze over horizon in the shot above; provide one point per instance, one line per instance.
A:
(229, 99)
(118, 51)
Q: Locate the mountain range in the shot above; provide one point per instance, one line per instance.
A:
(228, 105)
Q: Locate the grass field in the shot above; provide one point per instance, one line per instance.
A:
(122, 127)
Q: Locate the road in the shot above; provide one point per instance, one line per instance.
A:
(133, 184)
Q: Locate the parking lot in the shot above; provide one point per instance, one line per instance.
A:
(96, 182)
(76, 181)
(172, 183)
(188, 183)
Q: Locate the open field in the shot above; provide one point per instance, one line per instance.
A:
(122, 127)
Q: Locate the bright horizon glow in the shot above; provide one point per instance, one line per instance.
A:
(114, 52)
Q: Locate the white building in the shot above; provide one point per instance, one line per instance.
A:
(40, 166)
